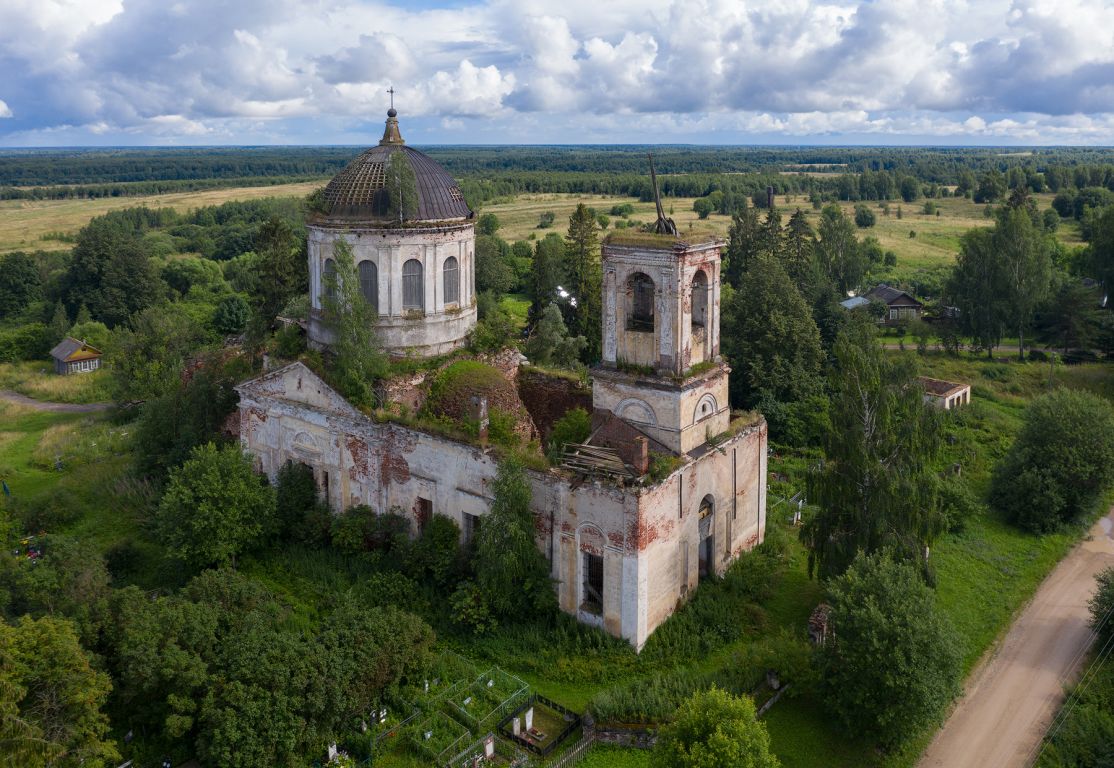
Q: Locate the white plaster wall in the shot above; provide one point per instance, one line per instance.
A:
(664, 411)
(442, 326)
(292, 415)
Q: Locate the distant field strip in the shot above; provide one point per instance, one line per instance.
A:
(23, 223)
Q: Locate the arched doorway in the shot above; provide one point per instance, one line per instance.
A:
(706, 516)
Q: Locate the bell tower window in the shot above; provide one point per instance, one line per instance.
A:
(699, 299)
(640, 315)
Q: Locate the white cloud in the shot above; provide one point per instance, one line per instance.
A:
(582, 70)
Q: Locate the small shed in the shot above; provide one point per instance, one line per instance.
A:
(75, 356)
(945, 394)
(900, 306)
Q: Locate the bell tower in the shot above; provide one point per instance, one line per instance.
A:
(661, 370)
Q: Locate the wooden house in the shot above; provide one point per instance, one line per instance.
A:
(900, 306)
(75, 356)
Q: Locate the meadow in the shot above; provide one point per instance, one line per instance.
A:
(47, 225)
(39, 381)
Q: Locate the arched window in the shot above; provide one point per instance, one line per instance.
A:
(369, 283)
(452, 281)
(640, 316)
(329, 279)
(413, 292)
(707, 506)
(699, 299)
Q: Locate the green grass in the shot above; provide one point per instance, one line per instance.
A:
(606, 756)
(803, 735)
(39, 381)
(517, 305)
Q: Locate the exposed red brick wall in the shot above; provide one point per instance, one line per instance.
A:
(548, 398)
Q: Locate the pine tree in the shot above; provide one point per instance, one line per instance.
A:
(547, 272)
(59, 324)
(800, 243)
(582, 253)
(771, 236)
(742, 243)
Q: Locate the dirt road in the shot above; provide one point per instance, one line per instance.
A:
(1011, 699)
(39, 405)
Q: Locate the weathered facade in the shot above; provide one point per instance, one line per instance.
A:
(623, 551)
(413, 242)
(621, 557)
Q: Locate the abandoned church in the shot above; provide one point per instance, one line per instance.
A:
(625, 547)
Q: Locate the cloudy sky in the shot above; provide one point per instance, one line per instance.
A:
(130, 72)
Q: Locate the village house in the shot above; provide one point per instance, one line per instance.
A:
(75, 356)
(900, 306)
(625, 547)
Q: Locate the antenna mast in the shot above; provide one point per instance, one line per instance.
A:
(665, 226)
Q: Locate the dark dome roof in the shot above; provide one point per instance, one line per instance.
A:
(360, 190)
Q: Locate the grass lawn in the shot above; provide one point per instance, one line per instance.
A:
(38, 380)
(604, 756)
(24, 223)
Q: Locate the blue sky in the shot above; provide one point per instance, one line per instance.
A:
(187, 72)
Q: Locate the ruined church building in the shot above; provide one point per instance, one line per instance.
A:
(624, 551)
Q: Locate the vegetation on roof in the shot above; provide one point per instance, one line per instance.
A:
(654, 240)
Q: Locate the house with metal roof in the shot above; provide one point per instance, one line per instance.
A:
(75, 356)
(900, 306)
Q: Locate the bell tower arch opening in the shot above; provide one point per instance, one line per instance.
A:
(660, 338)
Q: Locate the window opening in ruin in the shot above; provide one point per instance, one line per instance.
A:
(329, 279)
(325, 485)
(452, 281)
(699, 299)
(641, 315)
(369, 283)
(413, 293)
(425, 512)
(471, 527)
(592, 591)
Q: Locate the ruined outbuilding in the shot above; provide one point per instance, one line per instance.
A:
(668, 489)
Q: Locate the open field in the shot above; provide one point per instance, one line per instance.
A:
(38, 380)
(24, 223)
(922, 258)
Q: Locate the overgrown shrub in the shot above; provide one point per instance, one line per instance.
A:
(574, 427)
(1061, 462)
(361, 529)
(470, 610)
(435, 557)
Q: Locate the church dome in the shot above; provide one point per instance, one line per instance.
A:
(361, 190)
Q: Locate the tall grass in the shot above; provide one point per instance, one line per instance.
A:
(38, 380)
